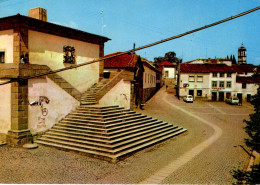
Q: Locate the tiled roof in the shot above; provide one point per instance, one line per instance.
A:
(122, 61)
(150, 65)
(246, 68)
(205, 68)
(211, 61)
(22, 21)
(248, 79)
(163, 64)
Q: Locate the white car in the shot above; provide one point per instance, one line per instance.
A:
(232, 101)
(188, 98)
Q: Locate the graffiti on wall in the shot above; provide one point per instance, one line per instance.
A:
(44, 111)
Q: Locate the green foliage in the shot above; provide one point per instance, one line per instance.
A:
(252, 128)
(253, 125)
(250, 177)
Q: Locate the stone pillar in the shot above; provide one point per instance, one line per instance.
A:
(20, 46)
(19, 133)
(101, 63)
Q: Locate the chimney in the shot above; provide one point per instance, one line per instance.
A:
(38, 13)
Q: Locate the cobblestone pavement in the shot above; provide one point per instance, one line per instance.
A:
(211, 165)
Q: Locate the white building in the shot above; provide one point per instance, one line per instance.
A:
(208, 81)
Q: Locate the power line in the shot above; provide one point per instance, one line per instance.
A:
(140, 48)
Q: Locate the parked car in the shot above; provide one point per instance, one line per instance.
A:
(232, 100)
(188, 98)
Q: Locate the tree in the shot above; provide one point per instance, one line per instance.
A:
(234, 61)
(170, 56)
(253, 130)
(158, 59)
(253, 125)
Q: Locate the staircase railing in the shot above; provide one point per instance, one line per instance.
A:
(126, 75)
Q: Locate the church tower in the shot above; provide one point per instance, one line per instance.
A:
(241, 55)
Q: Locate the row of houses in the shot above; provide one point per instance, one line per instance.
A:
(218, 79)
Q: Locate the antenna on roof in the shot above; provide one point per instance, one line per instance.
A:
(133, 52)
(102, 20)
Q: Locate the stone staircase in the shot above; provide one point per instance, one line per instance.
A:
(110, 133)
(90, 96)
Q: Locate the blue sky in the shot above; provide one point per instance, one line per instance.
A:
(145, 21)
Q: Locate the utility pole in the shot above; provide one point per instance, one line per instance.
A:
(178, 78)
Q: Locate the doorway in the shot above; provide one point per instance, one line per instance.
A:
(191, 92)
(214, 96)
(239, 96)
(221, 96)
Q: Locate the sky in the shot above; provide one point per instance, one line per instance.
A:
(143, 22)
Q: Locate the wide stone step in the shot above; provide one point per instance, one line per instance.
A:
(144, 139)
(83, 127)
(81, 116)
(98, 107)
(107, 126)
(85, 142)
(89, 132)
(135, 129)
(88, 103)
(94, 154)
(143, 133)
(78, 133)
(108, 154)
(110, 146)
(78, 145)
(101, 112)
(101, 126)
(148, 143)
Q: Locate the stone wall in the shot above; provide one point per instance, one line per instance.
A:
(148, 93)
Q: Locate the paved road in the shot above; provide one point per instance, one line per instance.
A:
(211, 160)
(205, 154)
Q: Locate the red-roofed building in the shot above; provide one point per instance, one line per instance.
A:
(143, 73)
(168, 71)
(210, 81)
(216, 79)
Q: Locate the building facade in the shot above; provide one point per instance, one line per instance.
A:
(31, 46)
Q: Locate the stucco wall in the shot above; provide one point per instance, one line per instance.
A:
(5, 108)
(6, 44)
(118, 95)
(61, 104)
(171, 72)
(149, 80)
(250, 89)
(46, 49)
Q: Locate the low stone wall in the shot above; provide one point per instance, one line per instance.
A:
(148, 93)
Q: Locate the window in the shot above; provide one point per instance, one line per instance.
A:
(215, 74)
(200, 79)
(199, 92)
(243, 85)
(2, 57)
(166, 74)
(221, 74)
(214, 83)
(229, 74)
(191, 78)
(228, 84)
(221, 84)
